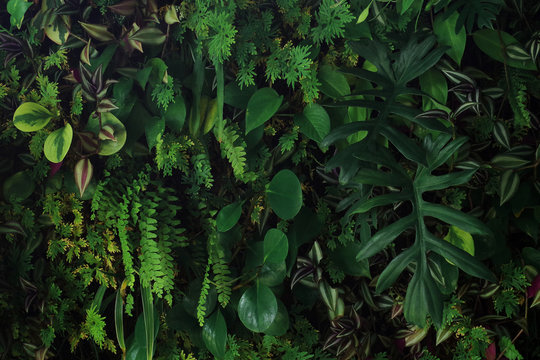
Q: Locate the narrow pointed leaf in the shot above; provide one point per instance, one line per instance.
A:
(83, 174)
(98, 32)
(509, 185)
(384, 237)
(454, 217)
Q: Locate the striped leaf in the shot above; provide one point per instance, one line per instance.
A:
(508, 186)
(83, 174)
(57, 144)
(30, 116)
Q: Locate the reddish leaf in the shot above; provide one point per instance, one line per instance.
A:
(124, 8)
(491, 352)
(83, 174)
(55, 167)
(107, 133)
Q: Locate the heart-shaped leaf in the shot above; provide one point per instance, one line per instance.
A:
(30, 116)
(257, 308)
(57, 144)
(262, 105)
(285, 194)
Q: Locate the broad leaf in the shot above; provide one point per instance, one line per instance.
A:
(314, 122)
(460, 239)
(58, 143)
(508, 186)
(333, 83)
(494, 42)
(276, 246)
(83, 174)
(285, 194)
(214, 334)
(229, 216)
(30, 116)
(257, 308)
(422, 299)
(17, 9)
(261, 107)
(280, 325)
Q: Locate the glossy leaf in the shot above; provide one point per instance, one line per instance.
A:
(30, 116)
(257, 308)
(262, 105)
(98, 32)
(280, 325)
(58, 143)
(285, 194)
(18, 186)
(384, 237)
(214, 334)
(149, 36)
(108, 147)
(276, 246)
(229, 216)
(460, 239)
(119, 320)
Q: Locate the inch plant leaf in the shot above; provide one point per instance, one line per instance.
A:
(508, 186)
(149, 36)
(30, 116)
(314, 122)
(276, 246)
(229, 216)
(98, 32)
(257, 308)
(285, 194)
(262, 105)
(58, 143)
(494, 42)
(501, 134)
(445, 30)
(214, 334)
(454, 217)
(108, 147)
(384, 237)
(83, 174)
(509, 161)
(119, 320)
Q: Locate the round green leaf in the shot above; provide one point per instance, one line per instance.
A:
(280, 325)
(276, 246)
(30, 116)
(57, 144)
(18, 186)
(229, 216)
(214, 334)
(285, 194)
(257, 308)
(314, 122)
(108, 147)
(262, 106)
(272, 274)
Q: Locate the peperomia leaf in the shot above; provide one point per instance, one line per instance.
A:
(214, 334)
(285, 194)
(276, 246)
(229, 216)
(57, 144)
(262, 105)
(30, 116)
(257, 308)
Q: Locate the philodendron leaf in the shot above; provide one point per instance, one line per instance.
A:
(83, 174)
(57, 144)
(454, 217)
(423, 298)
(17, 9)
(314, 122)
(285, 194)
(276, 246)
(262, 105)
(214, 334)
(30, 116)
(508, 186)
(257, 308)
(229, 216)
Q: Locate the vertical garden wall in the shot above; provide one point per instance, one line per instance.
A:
(289, 179)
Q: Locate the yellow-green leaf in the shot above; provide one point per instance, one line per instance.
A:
(30, 116)
(461, 239)
(57, 144)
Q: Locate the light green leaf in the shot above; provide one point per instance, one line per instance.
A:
(363, 15)
(434, 83)
(261, 107)
(57, 144)
(314, 122)
(508, 186)
(285, 194)
(17, 9)
(444, 29)
(214, 334)
(229, 216)
(257, 308)
(119, 321)
(461, 239)
(30, 116)
(276, 246)
(489, 41)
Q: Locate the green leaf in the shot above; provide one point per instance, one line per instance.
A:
(363, 15)
(314, 122)
(508, 186)
(509, 161)
(434, 83)
(154, 129)
(229, 216)
(257, 308)
(406, 146)
(455, 217)
(149, 36)
(405, 5)
(392, 271)
(214, 334)
(384, 237)
(460, 258)
(494, 42)
(445, 31)
(423, 298)
(18, 186)
(175, 116)
(444, 273)
(261, 107)
(148, 314)
(98, 32)
(119, 320)
(108, 147)
(432, 183)
(30, 116)
(285, 194)
(17, 9)
(333, 82)
(276, 246)
(461, 239)
(57, 144)
(366, 205)
(280, 325)
(501, 134)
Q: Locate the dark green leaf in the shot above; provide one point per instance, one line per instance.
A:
(285, 194)
(261, 107)
(229, 216)
(257, 308)
(508, 186)
(214, 334)
(384, 237)
(454, 217)
(276, 246)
